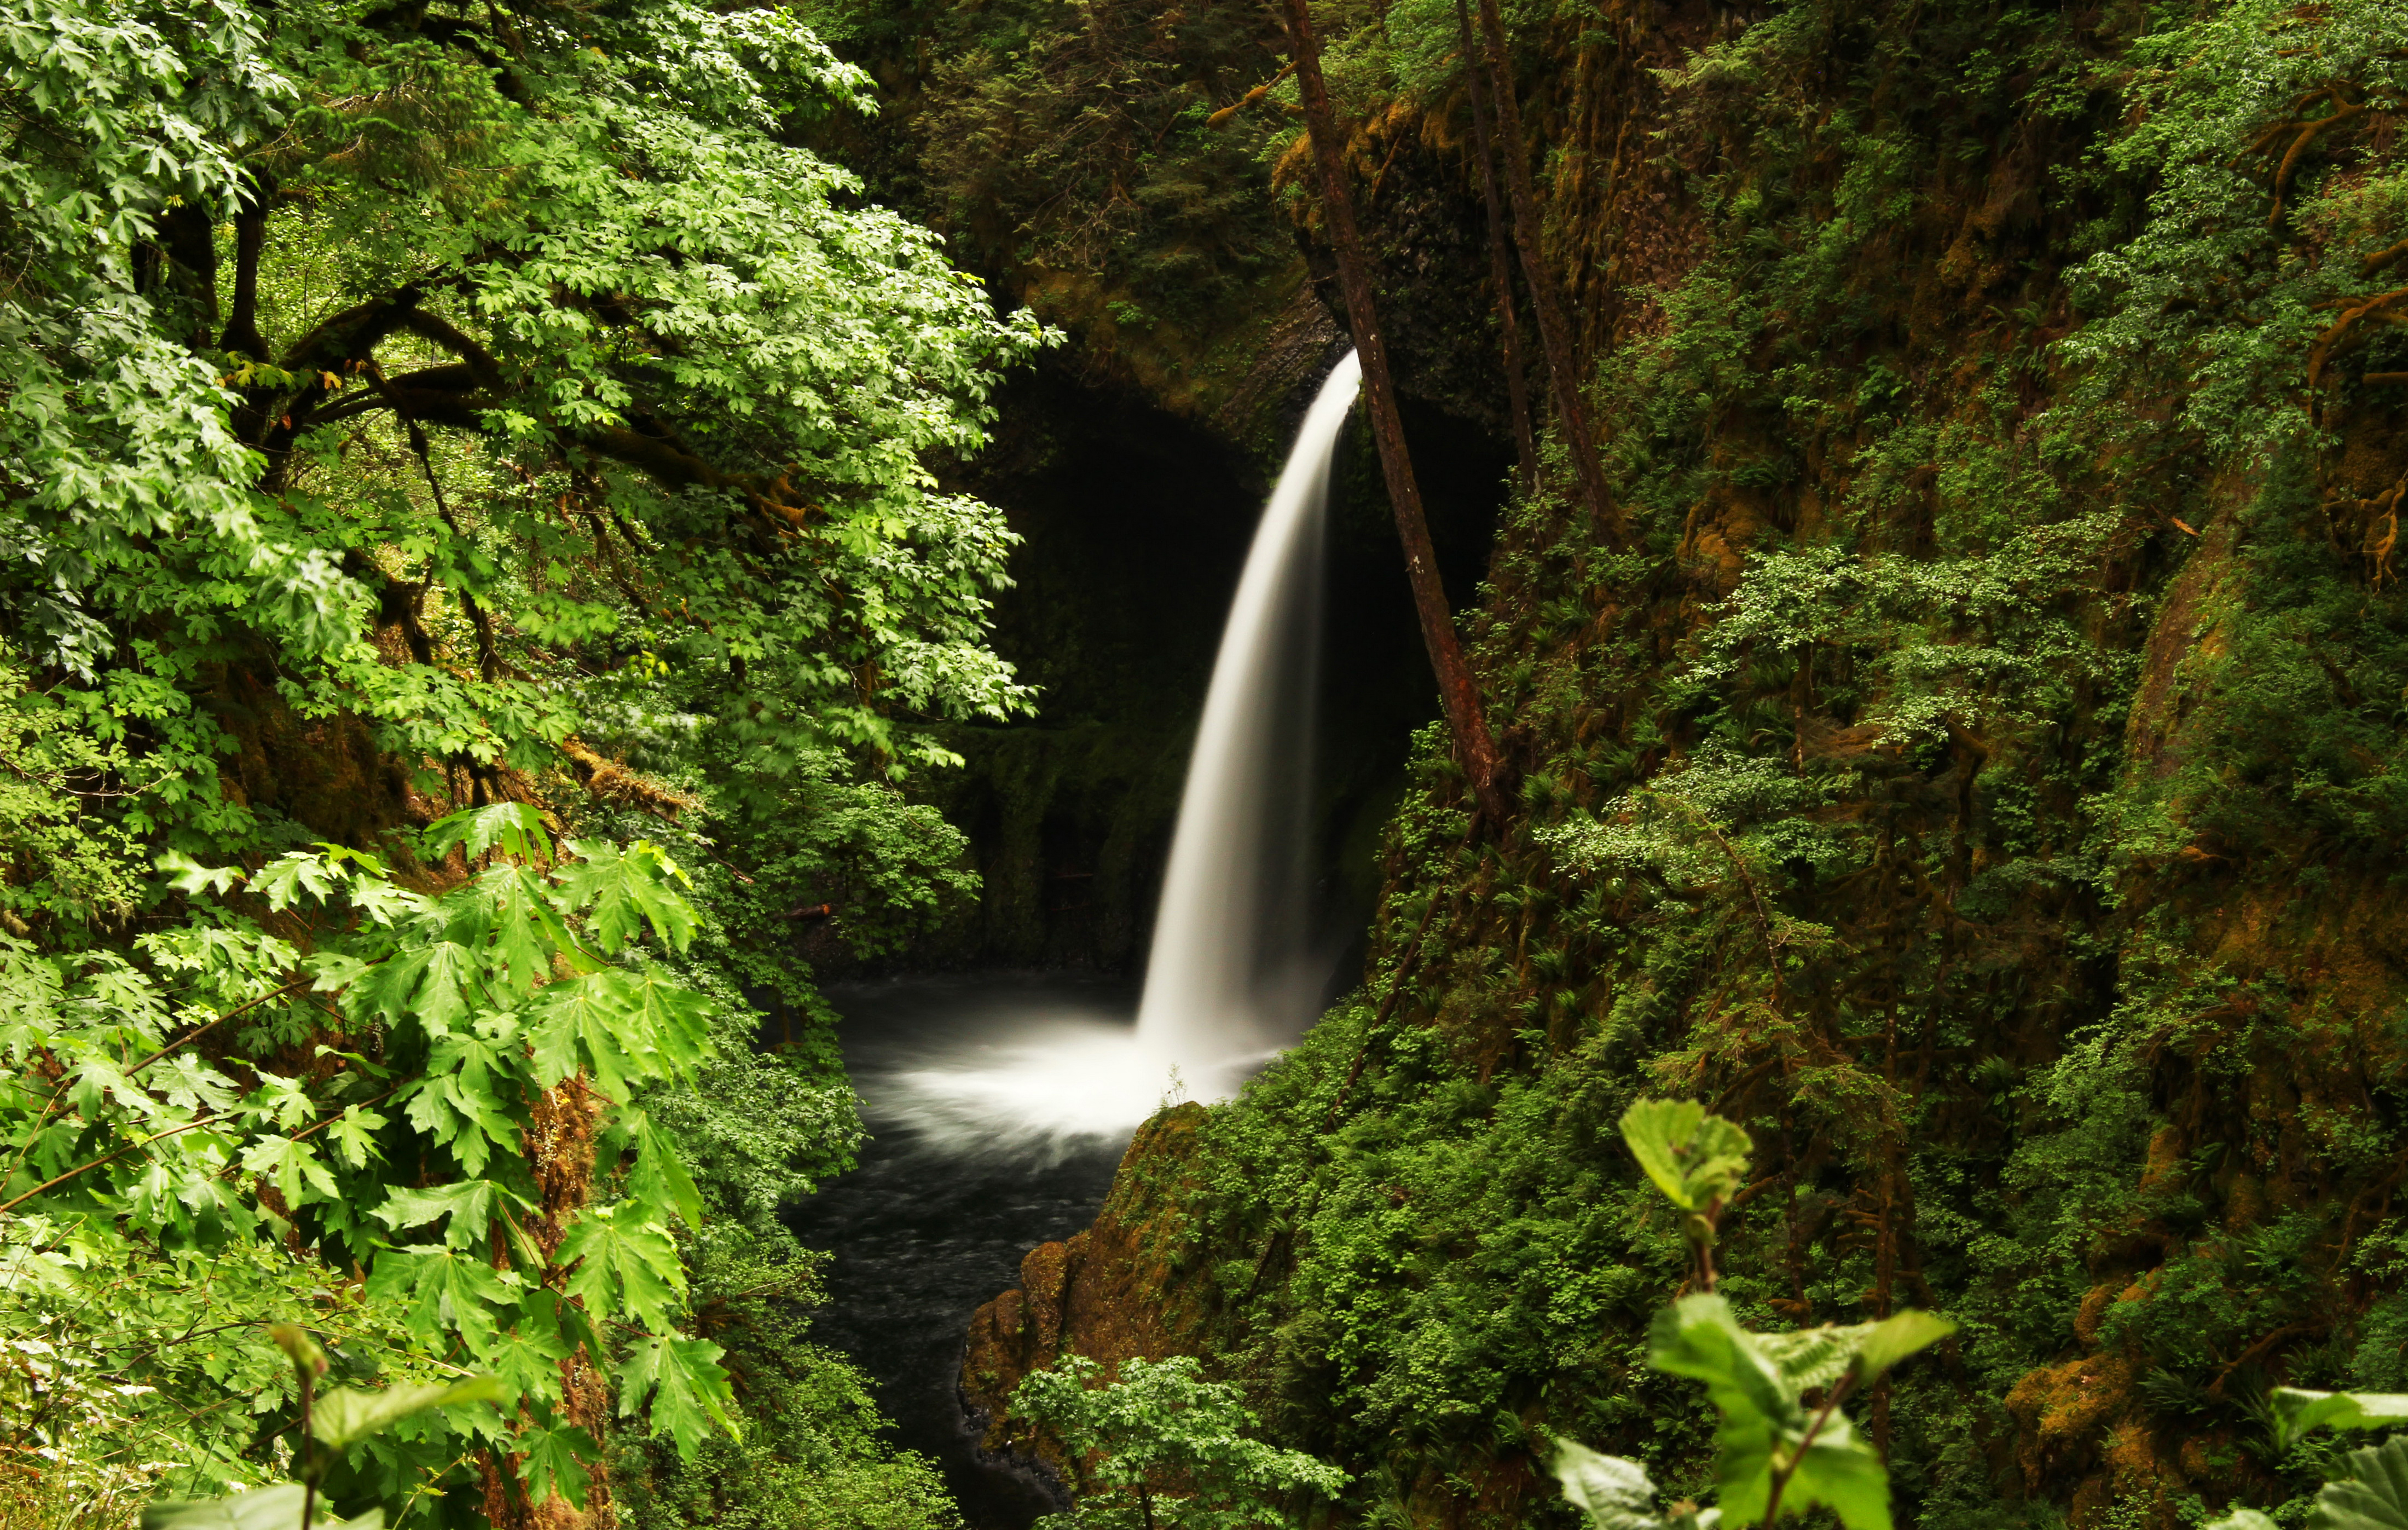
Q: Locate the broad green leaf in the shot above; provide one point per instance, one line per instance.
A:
(189, 876)
(442, 1294)
(347, 1415)
(1809, 1359)
(284, 880)
(1900, 1336)
(2298, 1411)
(262, 1508)
(1761, 1421)
(660, 1183)
(461, 1102)
(1839, 1471)
(1616, 1495)
(353, 1136)
(2241, 1519)
(432, 983)
(554, 1464)
(1695, 1158)
(625, 889)
(527, 929)
(2375, 1494)
(516, 827)
(293, 1167)
(469, 1203)
(619, 1026)
(528, 1358)
(1697, 1336)
(689, 1389)
(624, 1266)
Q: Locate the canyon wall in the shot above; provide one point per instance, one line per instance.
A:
(1970, 753)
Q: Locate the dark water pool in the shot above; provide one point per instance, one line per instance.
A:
(936, 1218)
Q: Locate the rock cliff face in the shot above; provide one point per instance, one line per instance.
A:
(1971, 755)
(1113, 1292)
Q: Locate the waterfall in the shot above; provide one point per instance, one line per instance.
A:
(1230, 974)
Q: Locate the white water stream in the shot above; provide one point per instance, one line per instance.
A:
(1231, 977)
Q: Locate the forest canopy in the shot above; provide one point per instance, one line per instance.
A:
(473, 557)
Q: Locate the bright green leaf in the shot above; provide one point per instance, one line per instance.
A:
(347, 1415)
(1696, 1160)
(1615, 1493)
(689, 1389)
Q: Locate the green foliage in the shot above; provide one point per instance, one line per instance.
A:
(443, 1027)
(1775, 1454)
(404, 407)
(1695, 1159)
(1158, 1445)
(335, 1422)
(810, 1453)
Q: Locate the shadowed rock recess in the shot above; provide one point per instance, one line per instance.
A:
(1975, 765)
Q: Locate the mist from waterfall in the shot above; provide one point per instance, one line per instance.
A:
(1233, 973)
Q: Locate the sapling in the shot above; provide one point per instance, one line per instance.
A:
(1781, 1449)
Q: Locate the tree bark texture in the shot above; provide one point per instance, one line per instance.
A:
(1500, 260)
(1460, 695)
(1546, 293)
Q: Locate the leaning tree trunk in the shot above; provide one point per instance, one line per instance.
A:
(1546, 293)
(1500, 262)
(1474, 745)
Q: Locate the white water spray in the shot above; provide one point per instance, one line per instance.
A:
(1231, 977)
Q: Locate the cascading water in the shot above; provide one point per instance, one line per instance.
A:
(999, 1102)
(1231, 973)
(1230, 977)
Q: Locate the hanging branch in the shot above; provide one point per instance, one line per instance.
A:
(1474, 745)
(1500, 263)
(1546, 295)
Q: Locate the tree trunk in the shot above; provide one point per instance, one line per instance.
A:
(1474, 745)
(1546, 293)
(1500, 261)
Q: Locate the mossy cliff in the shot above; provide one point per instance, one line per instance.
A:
(1972, 754)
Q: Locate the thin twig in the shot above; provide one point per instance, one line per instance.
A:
(1781, 1475)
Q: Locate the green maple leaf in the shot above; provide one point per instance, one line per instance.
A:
(516, 827)
(293, 1167)
(529, 1362)
(460, 1102)
(439, 1293)
(688, 1388)
(469, 1204)
(432, 983)
(620, 1026)
(353, 1136)
(527, 929)
(626, 889)
(625, 1266)
(552, 1464)
(660, 1182)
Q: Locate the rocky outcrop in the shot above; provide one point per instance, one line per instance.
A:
(1114, 1292)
